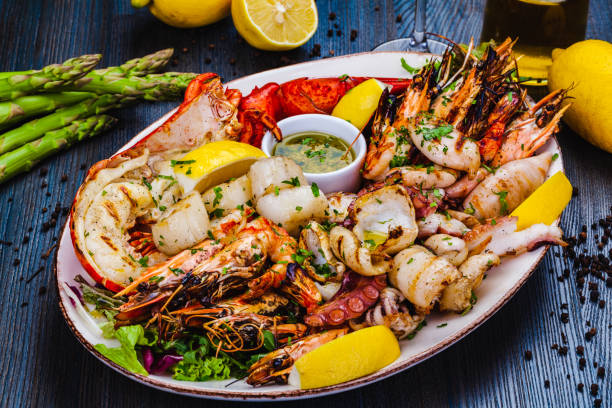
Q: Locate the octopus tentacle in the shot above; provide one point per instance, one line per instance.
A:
(350, 304)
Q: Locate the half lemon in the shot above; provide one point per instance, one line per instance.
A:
(275, 25)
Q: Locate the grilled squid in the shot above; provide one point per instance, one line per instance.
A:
(457, 296)
(426, 177)
(392, 311)
(438, 223)
(322, 265)
(452, 248)
(339, 205)
(347, 247)
(421, 276)
(512, 183)
(501, 237)
(385, 219)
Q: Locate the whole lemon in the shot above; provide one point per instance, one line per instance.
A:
(586, 68)
(187, 13)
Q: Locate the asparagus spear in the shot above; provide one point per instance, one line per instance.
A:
(17, 110)
(153, 87)
(51, 76)
(148, 64)
(60, 118)
(23, 158)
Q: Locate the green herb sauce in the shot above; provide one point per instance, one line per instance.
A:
(315, 152)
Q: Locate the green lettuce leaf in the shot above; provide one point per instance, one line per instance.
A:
(195, 369)
(125, 356)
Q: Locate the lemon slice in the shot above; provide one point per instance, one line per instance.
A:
(275, 25)
(545, 204)
(346, 358)
(214, 163)
(359, 103)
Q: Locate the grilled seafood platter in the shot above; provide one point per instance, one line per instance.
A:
(240, 274)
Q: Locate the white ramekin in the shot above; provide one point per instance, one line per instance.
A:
(347, 179)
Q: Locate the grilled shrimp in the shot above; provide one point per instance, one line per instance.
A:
(512, 183)
(276, 365)
(421, 276)
(282, 250)
(532, 130)
(443, 144)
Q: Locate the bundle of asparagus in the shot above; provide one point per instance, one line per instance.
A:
(68, 101)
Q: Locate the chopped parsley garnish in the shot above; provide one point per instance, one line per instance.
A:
(298, 208)
(436, 133)
(502, 202)
(315, 189)
(442, 325)
(156, 279)
(411, 70)
(555, 156)
(210, 235)
(398, 161)
(146, 183)
(419, 327)
(371, 243)
(180, 162)
(294, 181)
(470, 210)
(177, 271)
(104, 193)
(162, 176)
(327, 226)
(218, 196)
(491, 170)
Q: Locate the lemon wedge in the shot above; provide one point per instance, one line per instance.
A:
(214, 163)
(346, 358)
(545, 204)
(359, 103)
(275, 25)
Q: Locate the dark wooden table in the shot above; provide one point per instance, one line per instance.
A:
(42, 364)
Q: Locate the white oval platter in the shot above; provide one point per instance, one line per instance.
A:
(501, 284)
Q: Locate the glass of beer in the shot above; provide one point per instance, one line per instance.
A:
(540, 26)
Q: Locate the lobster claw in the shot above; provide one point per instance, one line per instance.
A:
(255, 123)
(198, 85)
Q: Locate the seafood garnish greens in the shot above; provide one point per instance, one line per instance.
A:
(244, 276)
